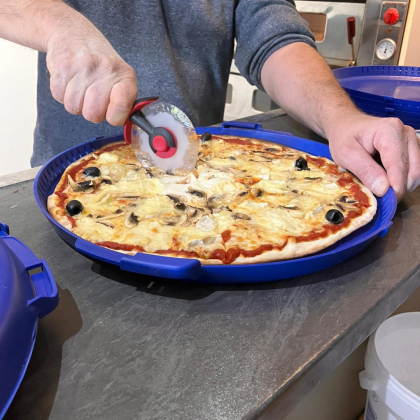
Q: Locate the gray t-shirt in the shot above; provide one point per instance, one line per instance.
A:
(181, 51)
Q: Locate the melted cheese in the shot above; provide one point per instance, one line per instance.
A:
(258, 202)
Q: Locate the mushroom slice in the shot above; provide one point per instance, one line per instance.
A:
(219, 209)
(106, 223)
(241, 216)
(129, 197)
(177, 199)
(195, 213)
(131, 220)
(85, 186)
(191, 211)
(188, 179)
(256, 192)
(197, 193)
(105, 179)
(173, 220)
(214, 201)
(210, 240)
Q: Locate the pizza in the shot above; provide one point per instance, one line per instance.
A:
(246, 201)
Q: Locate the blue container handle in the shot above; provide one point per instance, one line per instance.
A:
(141, 263)
(46, 298)
(250, 126)
(4, 229)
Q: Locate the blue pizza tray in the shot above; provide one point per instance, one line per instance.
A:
(192, 270)
(386, 84)
(27, 292)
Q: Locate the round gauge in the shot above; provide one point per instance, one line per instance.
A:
(385, 49)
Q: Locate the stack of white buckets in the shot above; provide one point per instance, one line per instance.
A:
(392, 370)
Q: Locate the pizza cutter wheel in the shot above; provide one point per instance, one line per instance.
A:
(162, 135)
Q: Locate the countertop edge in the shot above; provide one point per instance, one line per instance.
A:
(17, 177)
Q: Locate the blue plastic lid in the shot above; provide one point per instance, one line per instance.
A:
(396, 82)
(23, 298)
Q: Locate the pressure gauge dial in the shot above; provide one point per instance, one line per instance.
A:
(385, 49)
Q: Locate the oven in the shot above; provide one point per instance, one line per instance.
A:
(362, 32)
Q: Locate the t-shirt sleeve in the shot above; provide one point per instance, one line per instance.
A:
(261, 28)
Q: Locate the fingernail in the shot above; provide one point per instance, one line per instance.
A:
(379, 187)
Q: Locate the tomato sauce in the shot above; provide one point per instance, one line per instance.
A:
(226, 235)
(227, 257)
(63, 197)
(120, 247)
(234, 140)
(315, 161)
(328, 229)
(72, 221)
(359, 195)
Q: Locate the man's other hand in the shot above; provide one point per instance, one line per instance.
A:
(357, 140)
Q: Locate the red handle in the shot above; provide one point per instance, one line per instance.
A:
(351, 29)
(139, 104)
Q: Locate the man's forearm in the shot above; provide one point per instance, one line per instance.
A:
(300, 81)
(32, 22)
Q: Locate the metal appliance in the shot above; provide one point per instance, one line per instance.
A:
(374, 37)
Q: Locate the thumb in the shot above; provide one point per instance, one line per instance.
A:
(358, 161)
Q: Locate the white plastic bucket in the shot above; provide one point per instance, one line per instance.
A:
(392, 370)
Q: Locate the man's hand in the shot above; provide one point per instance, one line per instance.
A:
(87, 74)
(357, 138)
(299, 80)
(89, 77)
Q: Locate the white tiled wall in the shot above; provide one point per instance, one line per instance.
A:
(17, 106)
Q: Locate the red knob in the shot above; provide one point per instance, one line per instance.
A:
(391, 16)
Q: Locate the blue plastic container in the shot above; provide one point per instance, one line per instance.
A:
(179, 268)
(24, 297)
(384, 91)
(389, 84)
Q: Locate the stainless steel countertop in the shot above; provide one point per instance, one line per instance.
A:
(125, 346)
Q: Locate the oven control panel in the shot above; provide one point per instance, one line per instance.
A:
(389, 32)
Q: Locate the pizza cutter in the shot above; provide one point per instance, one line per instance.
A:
(161, 135)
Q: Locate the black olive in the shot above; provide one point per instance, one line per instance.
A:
(106, 181)
(301, 164)
(92, 171)
(334, 216)
(74, 207)
(343, 199)
(205, 137)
